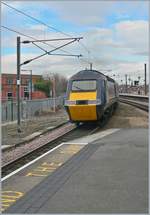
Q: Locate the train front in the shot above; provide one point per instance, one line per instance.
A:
(82, 99)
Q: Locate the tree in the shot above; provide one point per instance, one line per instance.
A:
(44, 86)
(60, 84)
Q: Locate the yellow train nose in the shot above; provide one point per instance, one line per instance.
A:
(83, 112)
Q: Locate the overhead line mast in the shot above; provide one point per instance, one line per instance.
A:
(19, 64)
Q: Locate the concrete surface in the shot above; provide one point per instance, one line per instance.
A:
(109, 175)
(31, 174)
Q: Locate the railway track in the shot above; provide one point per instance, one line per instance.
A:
(141, 105)
(18, 156)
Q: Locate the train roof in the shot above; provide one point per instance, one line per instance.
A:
(90, 74)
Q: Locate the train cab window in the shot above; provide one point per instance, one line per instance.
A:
(84, 85)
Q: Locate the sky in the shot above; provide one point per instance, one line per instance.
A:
(115, 36)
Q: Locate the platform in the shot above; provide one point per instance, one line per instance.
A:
(107, 175)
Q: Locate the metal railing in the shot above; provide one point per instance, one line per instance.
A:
(29, 108)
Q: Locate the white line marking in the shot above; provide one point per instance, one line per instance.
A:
(94, 137)
(88, 139)
(28, 164)
(5, 146)
(74, 143)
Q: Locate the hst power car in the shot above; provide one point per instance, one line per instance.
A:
(90, 95)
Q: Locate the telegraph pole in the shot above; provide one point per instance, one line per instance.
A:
(18, 84)
(145, 78)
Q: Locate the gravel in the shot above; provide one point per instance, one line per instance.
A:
(126, 116)
(10, 135)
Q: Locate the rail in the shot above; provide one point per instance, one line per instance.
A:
(14, 158)
(16, 152)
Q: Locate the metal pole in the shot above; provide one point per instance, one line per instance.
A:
(145, 78)
(90, 66)
(31, 84)
(12, 109)
(18, 85)
(54, 93)
(126, 82)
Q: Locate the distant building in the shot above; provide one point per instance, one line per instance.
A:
(9, 87)
(133, 89)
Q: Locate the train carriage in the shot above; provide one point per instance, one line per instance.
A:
(90, 94)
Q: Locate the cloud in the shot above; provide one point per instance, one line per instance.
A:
(112, 48)
(82, 12)
(87, 13)
(133, 34)
(126, 40)
(50, 64)
(119, 45)
(69, 66)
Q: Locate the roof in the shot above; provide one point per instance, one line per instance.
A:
(90, 74)
(14, 75)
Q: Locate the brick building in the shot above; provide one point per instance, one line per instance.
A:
(9, 87)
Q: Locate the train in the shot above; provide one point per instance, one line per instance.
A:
(90, 96)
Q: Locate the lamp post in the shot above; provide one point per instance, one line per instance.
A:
(53, 81)
(30, 70)
(54, 92)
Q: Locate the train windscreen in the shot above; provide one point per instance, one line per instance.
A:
(84, 85)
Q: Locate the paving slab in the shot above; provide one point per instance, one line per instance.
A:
(18, 183)
(109, 175)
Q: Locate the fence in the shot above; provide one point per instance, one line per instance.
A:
(29, 108)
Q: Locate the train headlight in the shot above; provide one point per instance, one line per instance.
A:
(69, 102)
(94, 102)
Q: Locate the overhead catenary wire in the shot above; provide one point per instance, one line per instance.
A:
(43, 23)
(17, 32)
(50, 27)
(25, 35)
(46, 52)
(35, 19)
